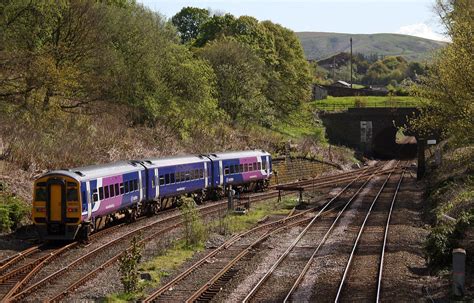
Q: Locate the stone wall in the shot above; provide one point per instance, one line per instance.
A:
(292, 169)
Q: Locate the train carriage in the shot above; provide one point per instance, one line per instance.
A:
(66, 201)
(175, 176)
(242, 170)
(70, 203)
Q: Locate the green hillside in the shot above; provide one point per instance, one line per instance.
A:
(318, 45)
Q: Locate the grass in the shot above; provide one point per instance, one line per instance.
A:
(173, 257)
(158, 267)
(301, 124)
(342, 103)
(233, 223)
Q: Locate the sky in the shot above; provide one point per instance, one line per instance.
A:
(410, 17)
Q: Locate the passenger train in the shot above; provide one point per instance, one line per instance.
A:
(71, 203)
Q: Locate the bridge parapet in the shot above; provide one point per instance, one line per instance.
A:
(370, 130)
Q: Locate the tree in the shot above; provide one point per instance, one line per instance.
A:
(188, 22)
(240, 81)
(448, 86)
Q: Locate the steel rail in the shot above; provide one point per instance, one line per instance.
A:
(191, 269)
(382, 254)
(293, 244)
(9, 261)
(222, 247)
(195, 296)
(55, 254)
(356, 242)
(321, 242)
(213, 208)
(36, 265)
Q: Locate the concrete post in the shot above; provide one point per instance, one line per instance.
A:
(459, 269)
(421, 159)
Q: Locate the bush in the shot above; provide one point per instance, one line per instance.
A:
(444, 238)
(128, 266)
(12, 212)
(194, 230)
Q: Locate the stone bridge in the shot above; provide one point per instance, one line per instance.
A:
(371, 130)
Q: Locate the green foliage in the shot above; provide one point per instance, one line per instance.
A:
(128, 266)
(445, 237)
(448, 85)
(240, 80)
(286, 73)
(188, 21)
(12, 212)
(194, 229)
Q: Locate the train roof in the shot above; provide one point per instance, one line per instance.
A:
(98, 171)
(238, 154)
(176, 160)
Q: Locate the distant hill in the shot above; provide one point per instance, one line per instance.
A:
(318, 45)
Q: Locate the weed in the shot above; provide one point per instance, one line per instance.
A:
(12, 212)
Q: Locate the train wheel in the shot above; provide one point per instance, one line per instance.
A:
(132, 215)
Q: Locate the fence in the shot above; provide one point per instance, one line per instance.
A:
(364, 104)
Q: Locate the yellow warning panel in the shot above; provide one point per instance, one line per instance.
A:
(55, 202)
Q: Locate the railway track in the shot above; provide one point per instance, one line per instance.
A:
(21, 268)
(359, 281)
(361, 277)
(31, 274)
(185, 288)
(299, 254)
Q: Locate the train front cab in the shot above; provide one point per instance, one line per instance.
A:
(57, 207)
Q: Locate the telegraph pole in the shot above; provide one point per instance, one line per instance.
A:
(351, 62)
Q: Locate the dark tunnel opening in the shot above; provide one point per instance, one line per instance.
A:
(390, 143)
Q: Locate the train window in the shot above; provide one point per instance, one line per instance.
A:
(264, 165)
(231, 169)
(226, 170)
(259, 165)
(172, 178)
(201, 173)
(162, 180)
(101, 193)
(153, 182)
(167, 178)
(125, 185)
(187, 175)
(135, 184)
(241, 168)
(106, 192)
(71, 184)
(255, 166)
(41, 184)
(117, 191)
(71, 194)
(246, 167)
(41, 194)
(122, 191)
(111, 190)
(95, 196)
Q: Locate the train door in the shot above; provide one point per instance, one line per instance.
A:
(56, 203)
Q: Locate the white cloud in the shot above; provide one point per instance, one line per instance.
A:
(421, 30)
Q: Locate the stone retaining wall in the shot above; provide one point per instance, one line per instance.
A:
(293, 169)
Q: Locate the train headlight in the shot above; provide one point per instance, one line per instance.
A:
(40, 209)
(72, 209)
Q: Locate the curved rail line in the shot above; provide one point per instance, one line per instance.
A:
(15, 279)
(361, 231)
(35, 266)
(267, 275)
(154, 295)
(382, 254)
